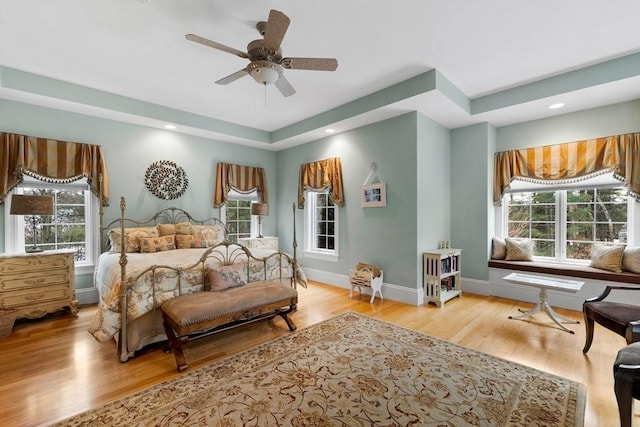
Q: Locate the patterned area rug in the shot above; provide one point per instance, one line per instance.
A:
(353, 370)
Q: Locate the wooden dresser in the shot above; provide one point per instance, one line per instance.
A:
(38, 283)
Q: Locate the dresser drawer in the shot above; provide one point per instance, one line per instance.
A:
(33, 280)
(23, 264)
(29, 297)
(38, 283)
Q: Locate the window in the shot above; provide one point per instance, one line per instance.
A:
(565, 223)
(74, 224)
(236, 214)
(321, 225)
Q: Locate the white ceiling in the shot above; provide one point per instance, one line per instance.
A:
(137, 49)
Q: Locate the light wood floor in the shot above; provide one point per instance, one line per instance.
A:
(53, 368)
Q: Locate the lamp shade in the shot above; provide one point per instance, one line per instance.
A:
(261, 209)
(31, 205)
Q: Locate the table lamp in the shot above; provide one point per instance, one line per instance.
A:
(31, 205)
(260, 210)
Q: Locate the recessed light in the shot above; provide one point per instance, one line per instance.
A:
(556, 105)
(169, 127)
(330, 130)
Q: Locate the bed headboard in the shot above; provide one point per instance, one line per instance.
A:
(172, 215)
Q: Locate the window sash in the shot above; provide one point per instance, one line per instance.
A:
(229, 214)
(15, 224)
(561, 238)
(321, 225)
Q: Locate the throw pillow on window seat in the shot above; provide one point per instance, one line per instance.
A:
(631, 259)
(607, 257)
(519, 249)
(498, 248)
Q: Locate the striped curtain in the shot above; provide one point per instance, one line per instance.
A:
(571, 162)
(320, 175)
(243, 179)
(52, 161)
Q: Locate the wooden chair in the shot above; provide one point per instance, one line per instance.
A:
(623, 319)
(626, 374)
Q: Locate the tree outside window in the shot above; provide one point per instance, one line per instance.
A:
(565, 223)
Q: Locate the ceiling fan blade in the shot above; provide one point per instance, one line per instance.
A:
(284, 86)
(215, 45)
(317, 64)
(233, 77)
(275, 30)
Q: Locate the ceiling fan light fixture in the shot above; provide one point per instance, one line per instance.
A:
(265, 72)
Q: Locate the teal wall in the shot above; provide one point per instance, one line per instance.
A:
(597, 122)
(472, 151)
(438, 181)
(471, 155)
(130, 149)
(433, 192)
(385, 236)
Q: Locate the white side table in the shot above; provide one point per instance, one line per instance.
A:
(543, 283)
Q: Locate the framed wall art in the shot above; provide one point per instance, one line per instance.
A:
(373, 195)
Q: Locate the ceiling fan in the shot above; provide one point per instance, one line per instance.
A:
(266, 64)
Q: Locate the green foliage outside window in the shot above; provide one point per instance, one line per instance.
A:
(592, 215)
(325, 222)
(238, 213)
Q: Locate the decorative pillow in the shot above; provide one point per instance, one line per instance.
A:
(373, 269)
(519, 249)
(132, 238)
(498, 248)
(184, 228)
(631, 259)
(213, 234)
(607, 257)
(226, 277)
(166, 229)
(190, 241)
(157, 244)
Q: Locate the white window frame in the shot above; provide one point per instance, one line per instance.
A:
(14, 240)
(633, 215)
(310, 223)
(252, 197)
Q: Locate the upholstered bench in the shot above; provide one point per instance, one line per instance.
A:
(203, 313)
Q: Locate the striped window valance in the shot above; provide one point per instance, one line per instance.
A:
(243, 179)
(571, 162)
(322, 175)
(52, 161)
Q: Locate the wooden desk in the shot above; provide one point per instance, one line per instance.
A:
(543, 283)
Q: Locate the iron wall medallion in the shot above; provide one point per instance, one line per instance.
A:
(166, 180)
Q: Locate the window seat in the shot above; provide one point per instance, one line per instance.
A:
(595, 281)
(580, 271)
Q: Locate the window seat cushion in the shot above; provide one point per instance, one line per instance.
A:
(581, 271)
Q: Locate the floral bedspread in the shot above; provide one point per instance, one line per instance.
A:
(149, 291)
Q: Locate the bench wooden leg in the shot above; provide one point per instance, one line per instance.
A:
(285, 316)
(175, 344)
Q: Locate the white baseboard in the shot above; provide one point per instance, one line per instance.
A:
(87, 296)
(389, 290)
(495, 286)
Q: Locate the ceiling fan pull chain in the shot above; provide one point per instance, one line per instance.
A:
(265, 95)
